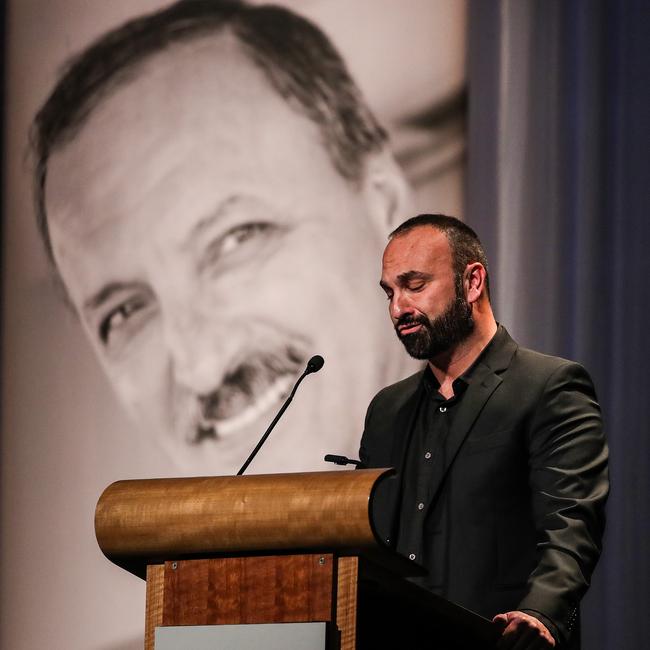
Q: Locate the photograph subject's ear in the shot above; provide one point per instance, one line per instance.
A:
(387, 192)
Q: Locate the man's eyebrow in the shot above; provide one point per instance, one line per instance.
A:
(108, 291)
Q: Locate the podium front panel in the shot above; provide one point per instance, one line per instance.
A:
(270, 636)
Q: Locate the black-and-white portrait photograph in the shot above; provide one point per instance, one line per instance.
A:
(203, 193)
(197, 198)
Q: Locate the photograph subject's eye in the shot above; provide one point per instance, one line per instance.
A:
(120, 319)
(241, 234)
(240, 243)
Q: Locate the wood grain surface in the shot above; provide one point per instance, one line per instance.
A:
(154, 608)
(346, 601)
(266, 589)
(145, 520)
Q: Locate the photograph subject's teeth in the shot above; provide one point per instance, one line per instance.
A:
(250, 414)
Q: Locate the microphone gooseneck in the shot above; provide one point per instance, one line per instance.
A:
(313, 365)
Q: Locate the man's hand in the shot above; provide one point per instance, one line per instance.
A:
(523, 632)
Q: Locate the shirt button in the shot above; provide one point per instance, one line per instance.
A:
(412, 556)
(420, 506)
(443, 409)
(427, 455)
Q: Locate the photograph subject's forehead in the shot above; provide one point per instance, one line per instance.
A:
(157, 187)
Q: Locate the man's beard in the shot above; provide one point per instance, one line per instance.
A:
(439, 335)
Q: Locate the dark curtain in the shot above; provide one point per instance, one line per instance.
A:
(558, 180)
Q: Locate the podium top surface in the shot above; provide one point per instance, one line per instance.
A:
(139, 522)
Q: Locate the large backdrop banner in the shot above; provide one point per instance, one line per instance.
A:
(198, 197)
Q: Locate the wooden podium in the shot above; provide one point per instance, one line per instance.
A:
(279, 548)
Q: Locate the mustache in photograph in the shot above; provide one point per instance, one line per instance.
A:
(247, 391)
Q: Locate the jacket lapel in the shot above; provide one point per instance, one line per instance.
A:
(404, 423)
(484, 381)
(393, 487)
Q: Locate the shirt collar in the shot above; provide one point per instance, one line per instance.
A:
(432, 385)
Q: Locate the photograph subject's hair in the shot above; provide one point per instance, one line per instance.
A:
(295, 56)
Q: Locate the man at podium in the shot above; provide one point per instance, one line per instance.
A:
(500, 450)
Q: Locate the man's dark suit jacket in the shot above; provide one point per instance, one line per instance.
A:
(517, 512)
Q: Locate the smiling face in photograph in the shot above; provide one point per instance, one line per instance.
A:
(210, 248)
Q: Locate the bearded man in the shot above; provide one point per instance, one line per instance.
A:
(501, 458)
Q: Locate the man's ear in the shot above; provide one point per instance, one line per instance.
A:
(386, 191)
(475, 287)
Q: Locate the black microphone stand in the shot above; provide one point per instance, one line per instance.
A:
(314, 365)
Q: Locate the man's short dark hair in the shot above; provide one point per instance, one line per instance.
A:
(464, 243)
(295, 56)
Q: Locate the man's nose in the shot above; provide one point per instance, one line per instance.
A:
(198, 348)
(399, 305)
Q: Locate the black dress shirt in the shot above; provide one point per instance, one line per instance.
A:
(431, 425)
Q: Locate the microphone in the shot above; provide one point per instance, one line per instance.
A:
(313, 365)
(342, 460)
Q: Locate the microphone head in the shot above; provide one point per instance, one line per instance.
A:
(315, 363)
